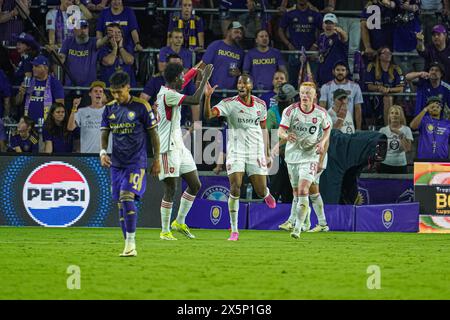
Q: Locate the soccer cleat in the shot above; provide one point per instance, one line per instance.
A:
(270, 201)
(130, 250)
(234, 236)
(167, 236)
(295, 234)
(319, 228)
(182, 228)
(288, 226)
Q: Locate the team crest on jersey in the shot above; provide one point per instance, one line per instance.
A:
(310, 19)
(258, 113)
(131, 115)
(215, 214)
(314, 120)
(430, 128)
(387, 218)
(171, 169)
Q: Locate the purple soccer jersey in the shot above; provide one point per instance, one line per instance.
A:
(36, 108)
(29, 145)
(262, 65)
(433, 138)
(129, 124)
(302, 27)
(224, 58)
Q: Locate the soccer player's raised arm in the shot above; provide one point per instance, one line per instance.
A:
(195, 99)
(207, 112)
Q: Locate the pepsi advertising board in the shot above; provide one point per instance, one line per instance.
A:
(66, 191)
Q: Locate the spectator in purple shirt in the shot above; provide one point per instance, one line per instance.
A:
(227, 58)
(385, 77)
(190, 25)
(116, 56)
(42, 91)
(263, 61)
(28, 48)
(126, 18)
(79, 53)
(438, 51)
(57, 138)
(5, 95)
(26, 139)
(434, 131)
(374, 38)
(175, 47)
(3, 137)
(12, 19)
(333, 46)
(303, 25)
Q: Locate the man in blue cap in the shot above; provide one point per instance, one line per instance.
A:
(42, 92)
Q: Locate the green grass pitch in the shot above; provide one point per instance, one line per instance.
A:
(261, 265)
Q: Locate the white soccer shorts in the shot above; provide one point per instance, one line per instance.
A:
(175, 163)
(302, 171)
(251, 168)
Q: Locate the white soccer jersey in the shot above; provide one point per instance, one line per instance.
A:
(169, 102)
(245, 137)
(307, 127)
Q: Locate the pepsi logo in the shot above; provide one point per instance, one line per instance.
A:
(56, 194)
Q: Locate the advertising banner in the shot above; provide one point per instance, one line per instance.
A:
(339, 217)
(373, 191)
(209, 214)
(216, 188)
(387, 218)
(432, 187)
(63, 191)
(434, 224)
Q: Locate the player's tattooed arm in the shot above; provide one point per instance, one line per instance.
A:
(207, 112)
(154, 137)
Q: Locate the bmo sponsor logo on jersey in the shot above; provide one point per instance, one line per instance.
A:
(56, 194)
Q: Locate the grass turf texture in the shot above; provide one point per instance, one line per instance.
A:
(261, 265)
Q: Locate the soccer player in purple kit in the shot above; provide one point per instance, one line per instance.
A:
(129, 119)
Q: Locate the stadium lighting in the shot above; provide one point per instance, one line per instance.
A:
(151, 8)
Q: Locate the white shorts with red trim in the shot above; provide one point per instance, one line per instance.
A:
(251, 168)
(302, 171)
(175, 163)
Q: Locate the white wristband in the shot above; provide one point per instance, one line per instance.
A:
(103, 153)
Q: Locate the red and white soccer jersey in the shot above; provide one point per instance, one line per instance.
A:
(301, 157)
(175, 158)
(245, 143)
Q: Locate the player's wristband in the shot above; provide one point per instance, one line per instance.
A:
(342, 119)
(103, 153)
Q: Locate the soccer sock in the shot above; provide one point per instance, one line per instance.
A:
(130, 212)
(233, 208)
(185, 205)
(317, 204)
(302, 211)
(166, 212)
(122, 220)
(293, 214)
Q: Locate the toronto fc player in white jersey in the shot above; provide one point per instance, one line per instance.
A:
(176, 160)
(301, 125)
(246, 150)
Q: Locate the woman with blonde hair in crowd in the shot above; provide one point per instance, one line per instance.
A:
(400, 140)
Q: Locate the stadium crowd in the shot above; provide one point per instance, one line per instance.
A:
(394, 78)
